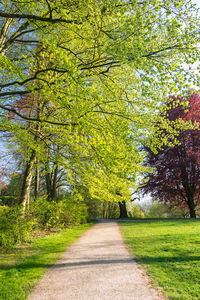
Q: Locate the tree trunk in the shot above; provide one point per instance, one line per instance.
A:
(190, 192)
(37, 180)
(104, 210)
(123, 210)
(53, 185)
(191, 206)
(48, 185)
(26, 186)
(51, 180)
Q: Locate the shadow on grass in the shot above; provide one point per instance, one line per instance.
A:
(128, 221)
(166, 259)
(146, 220)
(144, 259)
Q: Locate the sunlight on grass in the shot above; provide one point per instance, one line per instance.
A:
(170, 252)
(22, 267)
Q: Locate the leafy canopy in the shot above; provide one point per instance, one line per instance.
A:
(94, 71)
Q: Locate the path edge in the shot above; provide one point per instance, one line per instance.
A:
(152, 282)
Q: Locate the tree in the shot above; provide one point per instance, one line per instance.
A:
(11, 192)
(28, 137)
(93, 205)
(99, 69)
(109, 210)
(135, 211)
(157, 210)
(176, 175)
(87, 40)
(123, 210)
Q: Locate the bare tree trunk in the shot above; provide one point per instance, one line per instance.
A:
(53, 184)
(103, 210)
(190, 192)
(26, 186)
(37, 180)
(48, 184)
(123, 210)
(191, 206)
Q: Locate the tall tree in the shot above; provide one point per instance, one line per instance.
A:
(99, 68)
(85, 39)
(176, 175)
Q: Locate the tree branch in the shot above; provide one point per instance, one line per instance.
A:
(20, 83)
(36, 119)
(36, 18)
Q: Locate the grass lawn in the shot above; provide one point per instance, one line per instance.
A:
(170, 252)
(22, 267)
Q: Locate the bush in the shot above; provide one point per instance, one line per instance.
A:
(157, 210)
(58, 214)
(14, 227)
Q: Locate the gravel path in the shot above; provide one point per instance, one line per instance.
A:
(96, 267)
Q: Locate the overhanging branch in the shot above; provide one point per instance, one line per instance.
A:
(36, 18)
(10, 109)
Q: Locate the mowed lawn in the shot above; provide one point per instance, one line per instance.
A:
(22, 267)
(170, 252)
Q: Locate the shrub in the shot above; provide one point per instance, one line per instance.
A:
(14, 227)
(58, 214)
(157, 210)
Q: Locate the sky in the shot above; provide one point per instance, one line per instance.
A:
(197, 2)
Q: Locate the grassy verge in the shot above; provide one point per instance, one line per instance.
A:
(170, 252)
(22, 267)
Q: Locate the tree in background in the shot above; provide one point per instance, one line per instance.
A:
(11, 192)
(109, 210)
(135, 211)
(176, 175)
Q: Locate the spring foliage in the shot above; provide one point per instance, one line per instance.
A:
(42, 215)
(87, 75)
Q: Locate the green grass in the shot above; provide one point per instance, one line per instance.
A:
(22, 267)
(170, 252)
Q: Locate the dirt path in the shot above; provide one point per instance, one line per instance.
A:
(96, 267)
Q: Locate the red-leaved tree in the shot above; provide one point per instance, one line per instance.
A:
(176, 179)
